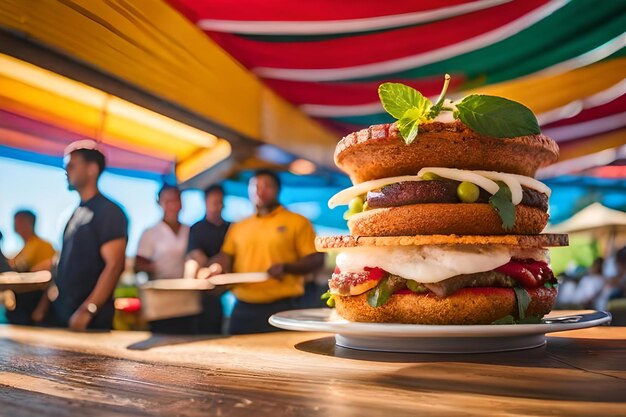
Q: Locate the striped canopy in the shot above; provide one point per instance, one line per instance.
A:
(299, 74)
(566, 60)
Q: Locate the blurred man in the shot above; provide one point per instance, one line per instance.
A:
(4, 263)
(273, 240)
(94, 244)
(162, 247)
(36, 255)
(161, 254)
(205, 241)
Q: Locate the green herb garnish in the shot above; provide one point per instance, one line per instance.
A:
(501, 202)
(330, 300)
(497, 116)
(380, 294)
(511, 320)
(505, 320)
(523, 301)
(488, 115)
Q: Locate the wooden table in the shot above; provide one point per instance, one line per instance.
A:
(58, 373)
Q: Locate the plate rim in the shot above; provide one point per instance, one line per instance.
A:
(399, 330)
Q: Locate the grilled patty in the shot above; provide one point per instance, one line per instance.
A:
(439, 191)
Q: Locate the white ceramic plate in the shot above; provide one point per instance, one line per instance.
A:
(17, 280)
(205, 284)
(390, 337)
(239, 278)
(177, 284)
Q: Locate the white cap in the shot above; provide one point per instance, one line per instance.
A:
(82, 144)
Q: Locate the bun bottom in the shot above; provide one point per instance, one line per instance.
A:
(466, 306)
(445, 219)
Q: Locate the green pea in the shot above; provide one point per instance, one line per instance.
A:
(429, 176)
(347, 214)
(356, 205)
(365, 206)
(330, 302)
(415, 286)
(467, 192)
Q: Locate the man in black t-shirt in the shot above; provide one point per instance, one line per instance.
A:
(94, 244)
(205, 241)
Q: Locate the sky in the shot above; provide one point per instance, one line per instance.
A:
(43, 189)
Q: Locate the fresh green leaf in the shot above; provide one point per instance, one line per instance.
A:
(531, 320)
(497, 116)
(415, 286)
(330, 300)
(380, 294)
(409, 125)
(549, 285)
(398, 98)
(523, 301)
(511, 320)
(505, 320)
(501, 202)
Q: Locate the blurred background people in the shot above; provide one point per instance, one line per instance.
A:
(4, 263)
(161, 254)
(35, 255)
(94, 245)
(205, 241)
(274, 240)
(617, 284)
(588, 293)
(162, 247)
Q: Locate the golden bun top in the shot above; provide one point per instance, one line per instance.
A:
(380, 151)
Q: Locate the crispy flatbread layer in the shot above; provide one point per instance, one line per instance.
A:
(328, 243)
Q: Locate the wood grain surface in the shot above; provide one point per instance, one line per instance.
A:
(46, 372)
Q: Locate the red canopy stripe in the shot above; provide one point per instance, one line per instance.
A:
(373, 47)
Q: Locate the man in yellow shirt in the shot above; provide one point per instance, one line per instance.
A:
(274, 240)
(36, 255)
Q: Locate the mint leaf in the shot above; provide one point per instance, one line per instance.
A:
(497, 116)
(501, 202)
(511, 320)
(531, 320)
(409, 124)
(415, 286)
(523, 301)
(398, 98)
(505, 320)
(380, 294)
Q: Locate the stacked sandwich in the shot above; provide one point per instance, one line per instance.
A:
(444, 215)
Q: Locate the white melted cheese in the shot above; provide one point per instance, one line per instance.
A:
(429, 264)
(483, 179)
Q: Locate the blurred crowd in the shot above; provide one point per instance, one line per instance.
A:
(87, 269)
(593, 288)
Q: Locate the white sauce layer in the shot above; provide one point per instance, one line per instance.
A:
(483, 179)
(428, 264)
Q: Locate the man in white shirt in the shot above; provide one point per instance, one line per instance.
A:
(161, 254)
